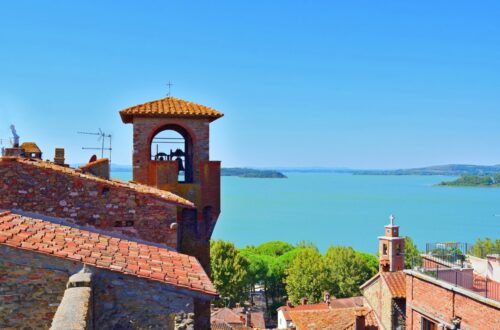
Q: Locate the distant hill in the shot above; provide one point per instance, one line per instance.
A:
(453, 169)
(492, 181)
(252, 173)
(236, 171)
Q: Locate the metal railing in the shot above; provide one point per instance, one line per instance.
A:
(458, 276)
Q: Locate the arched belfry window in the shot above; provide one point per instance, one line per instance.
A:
(173, 143)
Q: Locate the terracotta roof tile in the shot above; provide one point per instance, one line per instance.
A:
(30, 147)
(103, 251)
(140, 188)
(331, 319)
(396, 282)
(169, 107)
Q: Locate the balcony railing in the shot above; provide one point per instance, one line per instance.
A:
(453, 270)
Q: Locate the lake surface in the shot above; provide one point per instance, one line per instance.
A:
(346, 209)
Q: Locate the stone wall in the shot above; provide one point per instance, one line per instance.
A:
(33, 285)
(124, 302)
(86, 202)
(30, 290)
(441, 304)
(379, 298)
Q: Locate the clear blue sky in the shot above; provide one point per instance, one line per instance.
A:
(364, 84)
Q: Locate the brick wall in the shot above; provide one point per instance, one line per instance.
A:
(442, 305)
(146, 128)
(86, 202)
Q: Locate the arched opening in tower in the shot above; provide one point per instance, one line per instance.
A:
(173, 143)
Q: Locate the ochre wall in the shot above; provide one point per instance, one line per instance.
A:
(441, 304)
(86, 202)
(379, 298)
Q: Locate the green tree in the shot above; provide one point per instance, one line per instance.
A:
(307, 276)
(371, 261)
(229, 272)
(274, 248)
(412, 254)
(347, 270)
(483, 247)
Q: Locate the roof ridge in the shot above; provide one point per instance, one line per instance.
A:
(162, 265)
(169, 106)
(165, 195)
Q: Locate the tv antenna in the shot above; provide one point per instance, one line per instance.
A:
(102, 136)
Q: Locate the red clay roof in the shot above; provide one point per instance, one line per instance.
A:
(169, 107)
(226, 315)
(103, 251)
(139, 188)
(332, 319)
(396, 282)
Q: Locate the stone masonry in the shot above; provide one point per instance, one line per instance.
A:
(78, 198)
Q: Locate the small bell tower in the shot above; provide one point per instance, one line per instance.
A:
(171, 152)
(391, 248)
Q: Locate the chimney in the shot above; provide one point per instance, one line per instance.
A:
(238, 305)
(99, 167)
(248, 321)
(360, 318)
(303, 301)
(289, 303)
(59, 156)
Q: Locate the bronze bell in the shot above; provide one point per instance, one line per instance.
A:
(181, 164)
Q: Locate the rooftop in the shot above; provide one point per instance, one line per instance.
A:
(147, 190)
(30, 147)
(170, 107)
(396, 282)
(332, 319)
(104, 251)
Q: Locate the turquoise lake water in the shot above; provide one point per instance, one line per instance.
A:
(346, 209)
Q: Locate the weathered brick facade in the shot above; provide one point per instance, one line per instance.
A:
(80, 199)
(440, 303)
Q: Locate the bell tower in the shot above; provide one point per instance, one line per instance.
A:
(391, 249)
(171, 152)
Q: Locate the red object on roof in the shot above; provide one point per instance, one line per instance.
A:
(102, 251)
(396, 282)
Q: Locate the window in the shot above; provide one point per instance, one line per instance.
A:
(398, 249)
(427, 324)
(384, 249)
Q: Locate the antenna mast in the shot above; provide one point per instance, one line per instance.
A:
(102, 136)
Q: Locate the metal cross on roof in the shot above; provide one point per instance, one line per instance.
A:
(169, 85)
(391, 219)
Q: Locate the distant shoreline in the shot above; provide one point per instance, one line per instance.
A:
(473, 181)
(277, 172)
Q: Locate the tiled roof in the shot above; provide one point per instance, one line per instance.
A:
(102, 251)
(139, 188)
(170, 107)
(332, 319)
(334, 303)
(257, 320)
(226, 315)
(30, 147)
(396, 282)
